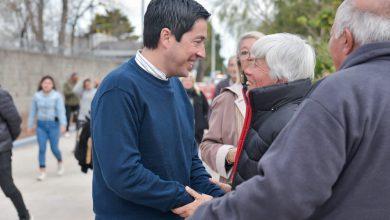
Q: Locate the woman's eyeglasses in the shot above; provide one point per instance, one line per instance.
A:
(244, 54)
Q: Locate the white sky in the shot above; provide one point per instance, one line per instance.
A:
(132, 8)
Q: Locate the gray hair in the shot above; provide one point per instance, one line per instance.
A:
(288, 56)
(253, 34)
(366, 27)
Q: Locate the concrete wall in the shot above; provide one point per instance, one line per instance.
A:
(21, 71)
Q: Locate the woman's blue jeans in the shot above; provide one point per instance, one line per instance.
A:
(48, 130)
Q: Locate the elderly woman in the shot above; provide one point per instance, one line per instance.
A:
(278, 79)
(218, 147)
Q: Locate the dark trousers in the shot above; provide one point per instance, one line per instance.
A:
(71, 109)
(8, 186)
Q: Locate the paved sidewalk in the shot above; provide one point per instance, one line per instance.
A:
(66, 197)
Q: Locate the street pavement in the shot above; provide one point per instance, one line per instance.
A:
(66, 197)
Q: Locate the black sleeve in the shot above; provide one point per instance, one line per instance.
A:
(10, 114)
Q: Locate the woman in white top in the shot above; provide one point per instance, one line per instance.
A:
(86, 92)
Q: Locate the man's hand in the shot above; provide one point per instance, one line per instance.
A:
(225, 187)
(189, 209)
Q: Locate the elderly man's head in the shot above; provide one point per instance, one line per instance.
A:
(358, 22)
(279, 58)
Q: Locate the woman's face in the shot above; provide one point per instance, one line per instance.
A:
(47, 85)
(244, 52)
(87, 85)
(257, 73)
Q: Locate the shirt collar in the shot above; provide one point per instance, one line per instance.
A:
(149, 67)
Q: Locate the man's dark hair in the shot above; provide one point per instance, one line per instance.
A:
(177, 15)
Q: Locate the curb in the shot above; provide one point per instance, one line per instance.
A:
(25, 141)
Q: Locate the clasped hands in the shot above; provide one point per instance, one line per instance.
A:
(189, 209)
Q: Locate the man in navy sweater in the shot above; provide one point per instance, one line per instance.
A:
(142, 124)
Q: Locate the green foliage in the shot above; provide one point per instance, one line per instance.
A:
(311, 19)
(113, 23)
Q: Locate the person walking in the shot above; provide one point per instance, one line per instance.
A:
(85, 91)
(72, 101)
(48, 107)
(10, 121)
(219, 145)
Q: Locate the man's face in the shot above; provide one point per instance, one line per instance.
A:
(183, 54)
(257, 73)
(74, 78)
(232, 68)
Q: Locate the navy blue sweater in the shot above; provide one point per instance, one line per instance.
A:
(143, 147)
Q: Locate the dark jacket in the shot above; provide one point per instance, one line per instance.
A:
(71, 98)
(201, 109)
(83, 150)
(272, 107)
(332, 160)
(9, 121)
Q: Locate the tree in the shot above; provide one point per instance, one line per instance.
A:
(312, 19)
(204, 67)
(27, 21)
(64, 20)
(78, 10)
(14, 22)
(35, 17)
(113, 23)
(241, 16)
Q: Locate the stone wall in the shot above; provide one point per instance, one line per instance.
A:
(21, 71)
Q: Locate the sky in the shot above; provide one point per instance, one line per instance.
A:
(132, 8)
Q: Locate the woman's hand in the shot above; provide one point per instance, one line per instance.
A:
(63, 129)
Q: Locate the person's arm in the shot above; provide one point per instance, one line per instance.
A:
(10, 114)
(78, 89)
(116, 122)
(60, 110)
(216, 145)
(296, 174)
(33, 111)
(200, 179)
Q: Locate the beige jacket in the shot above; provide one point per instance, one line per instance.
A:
(225, 124)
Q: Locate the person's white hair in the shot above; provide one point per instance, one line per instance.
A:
(288, 56)
(365, 26)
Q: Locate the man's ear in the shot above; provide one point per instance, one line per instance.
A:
(349, 43)
(165, 37)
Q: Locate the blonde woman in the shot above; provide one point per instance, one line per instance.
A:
(218, 147)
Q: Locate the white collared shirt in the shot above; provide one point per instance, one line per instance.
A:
(149, 67)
